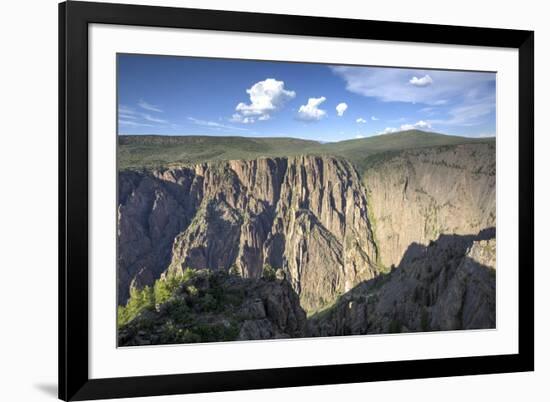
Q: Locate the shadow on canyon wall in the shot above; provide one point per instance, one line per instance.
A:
(447, 285)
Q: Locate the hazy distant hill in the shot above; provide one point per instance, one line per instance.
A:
(361, 151)
(138, 151)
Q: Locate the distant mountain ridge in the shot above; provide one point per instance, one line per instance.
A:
(148, 151)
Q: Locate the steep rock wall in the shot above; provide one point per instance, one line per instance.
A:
(448, 285)
(417, 195)
(306, 215)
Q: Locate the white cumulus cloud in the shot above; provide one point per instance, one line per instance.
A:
(389, 130)
(238, 118)
(421, 82)
(266, 97)
(360, 120)
(311, 111)
(418, 125)
(341, 108)
(404, 127)
(374, 118)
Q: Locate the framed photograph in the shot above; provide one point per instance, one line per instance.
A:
(258, 201)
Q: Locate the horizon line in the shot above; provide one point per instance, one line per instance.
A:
(308, 139)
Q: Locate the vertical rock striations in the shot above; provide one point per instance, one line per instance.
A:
(306, 215)
(321, 234)
(417, 195)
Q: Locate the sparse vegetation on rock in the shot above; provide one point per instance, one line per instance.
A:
(208, 307)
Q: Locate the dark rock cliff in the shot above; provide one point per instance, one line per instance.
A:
(306, 215)
(447, 285)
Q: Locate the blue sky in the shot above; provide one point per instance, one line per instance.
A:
(201, 96)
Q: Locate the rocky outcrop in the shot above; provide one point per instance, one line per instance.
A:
(307, 215)
(215, 306)
(272, 310)
(321, 234)
(447, 285)
(416, 195)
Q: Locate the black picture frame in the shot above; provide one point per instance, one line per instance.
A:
(74, 18)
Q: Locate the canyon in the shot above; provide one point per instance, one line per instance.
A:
(397, 240)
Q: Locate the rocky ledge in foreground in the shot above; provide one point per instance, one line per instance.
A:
(447, 285)
(207, 306)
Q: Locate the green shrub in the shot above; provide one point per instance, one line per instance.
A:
(165, 288)
(188, 274)
(269, 273)
(148, 297)
(192, 290)
(216, 332)
(395, 327)
(190, 337)
(183, 325)
(209, 303)
(170, 333)
(121, 316)
(140, 299)
(178, 311)
(234, 270)
(162, 291)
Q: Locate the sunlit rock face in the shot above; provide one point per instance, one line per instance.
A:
(307, 215)
(417, 195)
